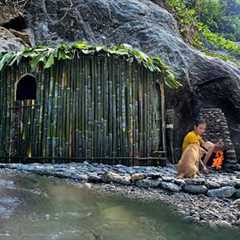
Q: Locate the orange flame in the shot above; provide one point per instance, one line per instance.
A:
(218, 160)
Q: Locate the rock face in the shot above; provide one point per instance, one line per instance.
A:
(145, 25)
(8, 41)
(13, 32)
(8, 14)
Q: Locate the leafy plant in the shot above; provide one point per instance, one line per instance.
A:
(194, 30)
(48, 56)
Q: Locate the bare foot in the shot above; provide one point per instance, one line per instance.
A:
(205, 170)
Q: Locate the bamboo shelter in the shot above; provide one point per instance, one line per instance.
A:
(82, 102)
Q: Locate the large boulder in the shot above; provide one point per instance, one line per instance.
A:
(13, 32)
(8, 41)
(8, 14)
(208, 82)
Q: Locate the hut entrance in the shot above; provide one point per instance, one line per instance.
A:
(23, 119)
(26, 88)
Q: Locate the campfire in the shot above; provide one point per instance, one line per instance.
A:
(218, 160)
(219, 155)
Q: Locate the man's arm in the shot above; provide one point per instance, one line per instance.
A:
(203, 166)
(202, 143)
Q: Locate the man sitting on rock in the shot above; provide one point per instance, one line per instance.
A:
(195, 137)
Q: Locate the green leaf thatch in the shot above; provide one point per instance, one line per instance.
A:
(48, 56)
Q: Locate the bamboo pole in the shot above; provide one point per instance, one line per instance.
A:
(118, 135)
(114, 121)
(163, 114)
(110, 116)
(106, 106)
(74, 109)
(78, 105)
(88, 108)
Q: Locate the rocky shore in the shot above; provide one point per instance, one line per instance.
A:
(213, 199)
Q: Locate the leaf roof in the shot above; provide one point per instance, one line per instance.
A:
(48, 56)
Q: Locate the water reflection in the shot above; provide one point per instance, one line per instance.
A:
(38, 208)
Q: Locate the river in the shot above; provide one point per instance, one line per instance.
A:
(41, 208)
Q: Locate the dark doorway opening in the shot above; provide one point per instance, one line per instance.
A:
(26, 88)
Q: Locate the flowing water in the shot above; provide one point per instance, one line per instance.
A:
(39, 208)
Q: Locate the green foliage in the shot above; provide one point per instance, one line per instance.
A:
(221, 16)
(196, 31)
(223, 57)
(219, 41)
(46, 56)
(187, 20)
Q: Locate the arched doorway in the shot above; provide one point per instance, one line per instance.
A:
(23, 135)
(26, 88)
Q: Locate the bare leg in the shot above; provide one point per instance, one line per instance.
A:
(210, 147)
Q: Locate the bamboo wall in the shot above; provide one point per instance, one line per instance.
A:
(90, 108)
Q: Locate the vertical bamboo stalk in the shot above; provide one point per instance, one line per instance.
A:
(61, 101)
(101, 97)
(110, 113)
(114, 120)
(56, 110)
(125, 112)
(137, 113)
(150, 114)
(45, 119)
(163, 114)
(147, 114)
(106, 107)
(94, 108)
(78, 105)
(82, 64)
(85, 106)
(98, 108)
(75, 105)
(88, 107)
(122, 104)
(65, 143)
(68, 110)
(134, 96)
(71, 109)
(116, 77)
(130, 111)
(141, 127)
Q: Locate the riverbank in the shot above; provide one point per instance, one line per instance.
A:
(213, 199)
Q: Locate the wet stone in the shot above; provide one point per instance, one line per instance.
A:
(236, 203)
(94, 178)
(220, 224)
(223, 192)
(137, 176)
(212, 184)
(116, 178)
(195, 189)
(168, 179)
(195, 181)
(172, 187)
(179, 182)
(148, 183)
(237, 193)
